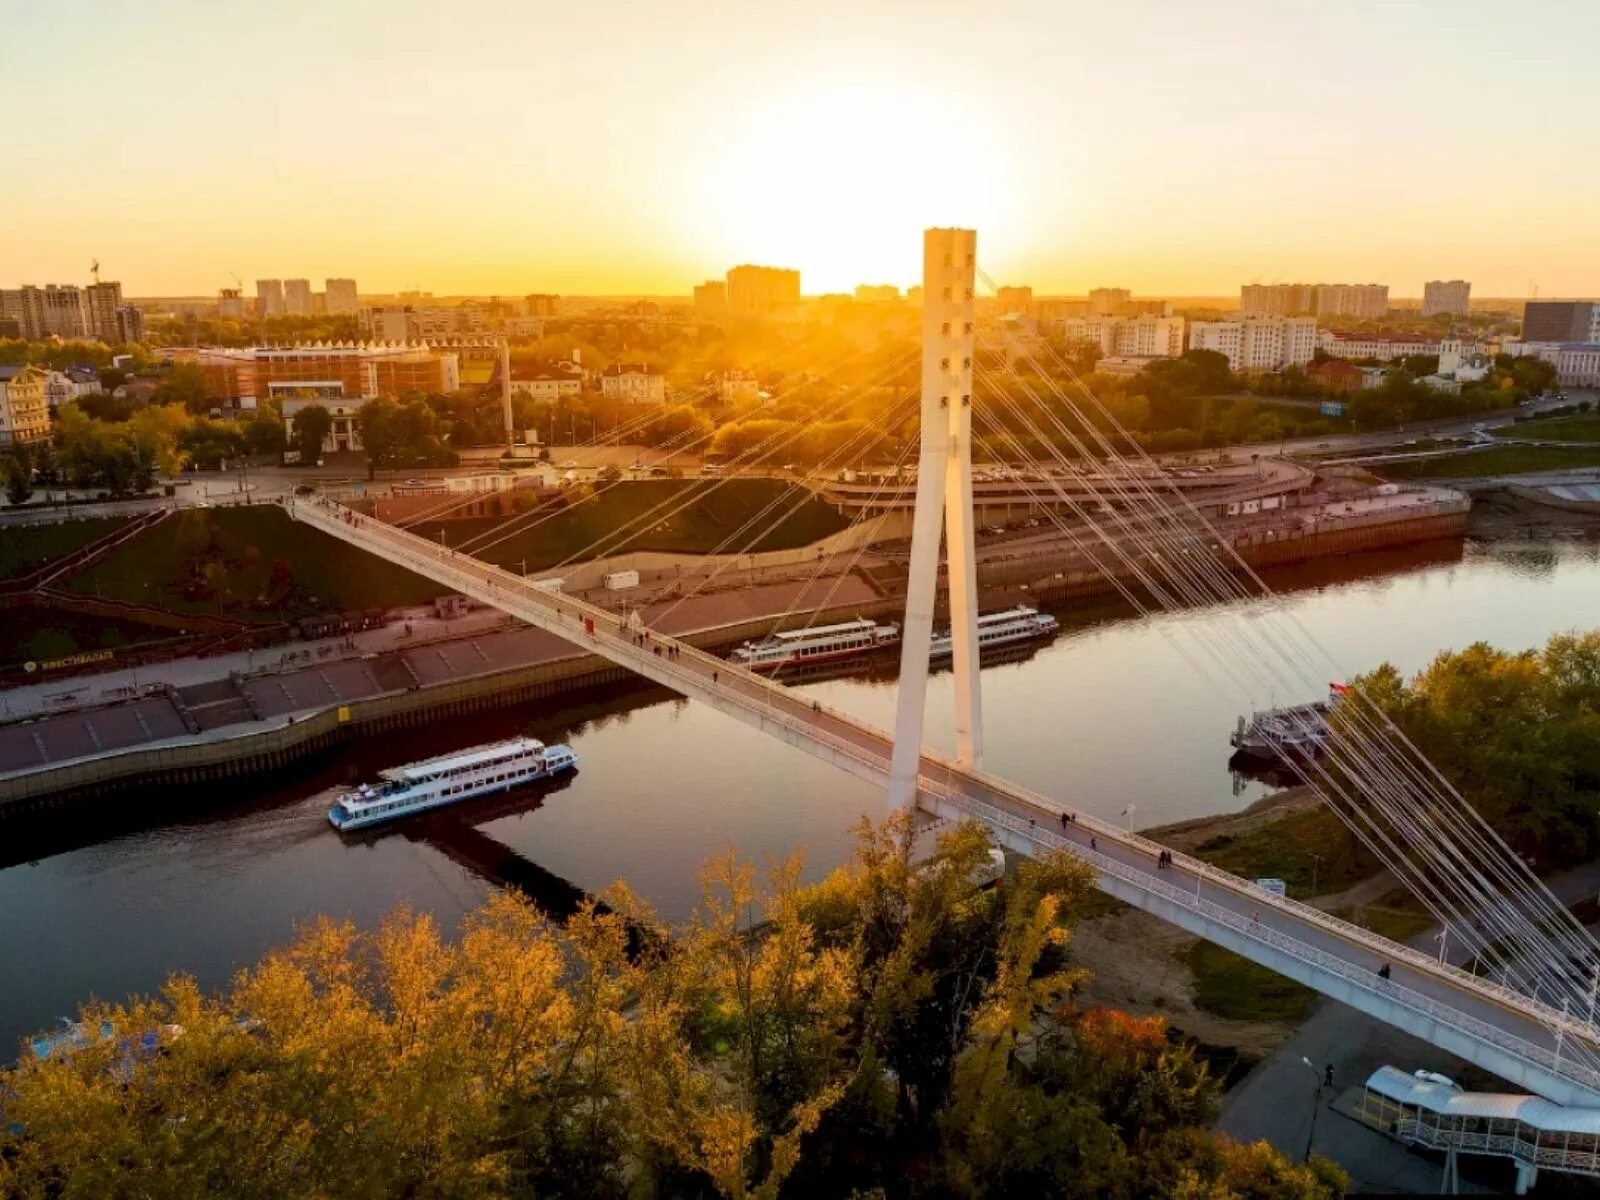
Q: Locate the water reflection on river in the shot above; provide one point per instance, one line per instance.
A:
(1106, 715)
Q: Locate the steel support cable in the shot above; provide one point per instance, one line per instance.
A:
(1180, 559)
(1423, 884)
(1498, 899)
(1518, 886)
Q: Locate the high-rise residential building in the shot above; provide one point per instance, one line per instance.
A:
(1442, 296)
(230, 304)
(877, 293)
(1014, 300)
(24, 410)
(1362, 300)
(1561, 321)
(759, 291)
(1258, 342)
(102, 300)
(1132, 337)
(1108, 302)
(269, 297)
(66, 311)
(541, 304)
(340, 296)
(711, 299)
(297, 297)
(1277, 299)
(130, 324)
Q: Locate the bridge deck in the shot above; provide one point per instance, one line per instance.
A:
(1514, 1036)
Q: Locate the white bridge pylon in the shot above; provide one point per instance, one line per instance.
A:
(943, 505)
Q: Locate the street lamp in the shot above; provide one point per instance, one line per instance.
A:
(1316, 1103)
(1316, 866)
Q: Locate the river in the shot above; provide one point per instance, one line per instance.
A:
(1106, 715)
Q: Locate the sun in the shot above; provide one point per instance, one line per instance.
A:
(841, 184)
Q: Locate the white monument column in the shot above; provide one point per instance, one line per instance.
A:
(944, 503)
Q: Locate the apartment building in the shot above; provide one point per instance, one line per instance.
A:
(339, 296)
(754, 291)
(1446, 296)
(634, 383)
(1014, 299)
(63, 387)
(24, 411)
(1130, 337)
(541, 304)
(1257, 342)
(297, 297)
(269, 298)
(1361, 300)
(101, 302)
(1109, 302)
(883, 293)
(711, 299)
(230, 304)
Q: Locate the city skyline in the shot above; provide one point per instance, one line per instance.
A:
(1262, 144)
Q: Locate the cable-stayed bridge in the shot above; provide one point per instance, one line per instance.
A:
(1516, 1038)
(1526, 1022)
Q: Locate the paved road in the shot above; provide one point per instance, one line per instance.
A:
(1489, 1016)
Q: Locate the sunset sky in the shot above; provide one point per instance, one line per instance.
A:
(608, 146)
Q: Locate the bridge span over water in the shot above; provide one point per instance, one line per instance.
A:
(1517, 1038)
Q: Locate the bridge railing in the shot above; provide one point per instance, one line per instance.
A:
(1381, 947)
(1367, 980)
(798, 715)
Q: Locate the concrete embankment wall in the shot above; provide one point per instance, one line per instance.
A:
(255, 750)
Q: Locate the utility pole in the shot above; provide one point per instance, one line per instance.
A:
(944, 490)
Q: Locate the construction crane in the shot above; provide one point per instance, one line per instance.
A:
(94, 269)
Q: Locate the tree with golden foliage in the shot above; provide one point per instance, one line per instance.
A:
(892, 1030)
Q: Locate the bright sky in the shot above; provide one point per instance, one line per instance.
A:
(611, 146)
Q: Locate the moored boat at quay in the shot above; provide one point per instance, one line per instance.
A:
(1006, 627)
(825, 643)
(450, 778)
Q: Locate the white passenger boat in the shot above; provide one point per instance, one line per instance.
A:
(448, 779)
(825, 643)
(1019, 624)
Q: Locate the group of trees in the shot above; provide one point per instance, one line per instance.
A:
(1518, 734)
(886, 1032)
(102, 443)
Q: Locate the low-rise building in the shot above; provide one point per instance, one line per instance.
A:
(739, 387)
(1254, 342)
(1336, 375)
(546, 382)
(340, 376)
(63, 387)
(1381, 346)
(24, 411)
(634, 383)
